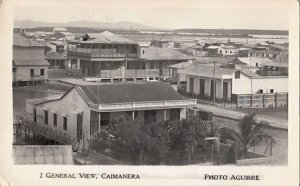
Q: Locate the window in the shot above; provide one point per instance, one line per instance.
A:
(256, 64)
(174, 114)
(237, 75)
(46, 117)
(42, 72)
(14, 69)
(65, 123)
(129, 114)
(271, 90)
(31, 72)
(34, 115)
(105, 118)
(150, 116)
(220, 51)
(55, 119)
(260, 91)
(143, 51)
(152, 65)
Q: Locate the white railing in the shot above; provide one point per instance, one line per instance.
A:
(102, 52)
(145, 105)
(111, 73)
(142, 73)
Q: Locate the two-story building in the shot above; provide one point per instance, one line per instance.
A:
(29, 65)
(108, 56)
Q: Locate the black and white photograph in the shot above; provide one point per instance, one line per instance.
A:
(142, 84)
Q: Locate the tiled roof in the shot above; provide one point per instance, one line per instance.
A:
(55, 55)
(122, 93)
(156, 53)
(30, 62)
(21, 41)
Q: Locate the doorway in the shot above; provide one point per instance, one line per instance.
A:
(79, 126)
(225, 90)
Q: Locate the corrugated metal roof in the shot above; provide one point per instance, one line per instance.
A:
(122, 93)
(107, 38)
(253, 60)
(181, 65)
(43, 154)
(220, 60)
(22, 41)
(30, 62)
(278, 46)
(276, 64)
(156, 53)
(207, 71)
(213, 47)
(249, 73)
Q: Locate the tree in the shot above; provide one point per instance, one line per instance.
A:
(249, 133)
(135, 140)
(186, 135)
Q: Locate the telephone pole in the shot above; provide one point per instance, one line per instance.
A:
(214, 84)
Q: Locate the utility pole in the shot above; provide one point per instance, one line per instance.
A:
(214, 84)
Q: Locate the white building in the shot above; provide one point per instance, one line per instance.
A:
(199, 80)
(84, 110)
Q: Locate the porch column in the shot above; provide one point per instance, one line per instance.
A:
(99, 121)
(209, 87)
(165, 114)
(222, 88)
(133, 115)
(182, 113)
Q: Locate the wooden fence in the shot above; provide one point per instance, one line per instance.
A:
(277, 100)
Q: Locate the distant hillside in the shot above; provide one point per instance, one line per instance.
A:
(234, 31)
(88, 24)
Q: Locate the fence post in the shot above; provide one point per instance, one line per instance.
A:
(287, 100)
(264, 100)
(275, 97)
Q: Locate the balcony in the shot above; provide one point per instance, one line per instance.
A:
(142, 73)
(100, 53)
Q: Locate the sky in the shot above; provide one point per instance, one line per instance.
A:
(226, 14)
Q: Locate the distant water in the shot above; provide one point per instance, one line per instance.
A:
(208, 39)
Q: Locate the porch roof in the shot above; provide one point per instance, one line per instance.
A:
(207, 71)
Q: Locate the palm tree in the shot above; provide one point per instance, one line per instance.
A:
(249, 133)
